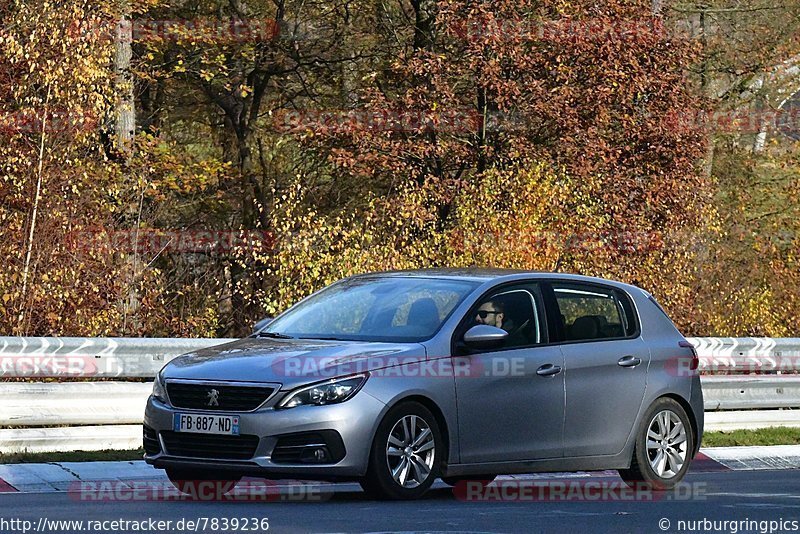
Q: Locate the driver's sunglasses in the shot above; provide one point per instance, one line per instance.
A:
(483, 314)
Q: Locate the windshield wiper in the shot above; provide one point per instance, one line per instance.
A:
(273, 335)
(327, 338)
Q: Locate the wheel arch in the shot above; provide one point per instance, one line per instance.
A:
(434, 408)
(690, 414)
(687, 407)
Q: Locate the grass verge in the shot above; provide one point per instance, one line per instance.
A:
(762, 436)
(75, 456)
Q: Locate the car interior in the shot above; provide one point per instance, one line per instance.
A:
(592, 327)
(520, 310)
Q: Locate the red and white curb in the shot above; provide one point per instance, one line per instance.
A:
(62, 477)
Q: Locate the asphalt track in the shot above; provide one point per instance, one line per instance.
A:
(757, 501)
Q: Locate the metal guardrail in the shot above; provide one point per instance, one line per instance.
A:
(142, 357)
(106, 403)
(71, 438)
(55, 416)
(747, 354)
(760, 392)
(82, 357)
(35, 404)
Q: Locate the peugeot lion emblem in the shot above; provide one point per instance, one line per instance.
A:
(213, 398)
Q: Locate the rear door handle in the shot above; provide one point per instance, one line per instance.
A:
(629, 361)
(548, 369)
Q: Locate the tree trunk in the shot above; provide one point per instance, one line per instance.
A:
(708, 164)
(125, 114)
(35, 213)
(424, 27)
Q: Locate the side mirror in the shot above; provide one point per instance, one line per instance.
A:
(483, 336)
(261, 324)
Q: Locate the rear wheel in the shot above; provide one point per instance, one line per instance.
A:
(202, 484)
(405, 455)
(663, 447)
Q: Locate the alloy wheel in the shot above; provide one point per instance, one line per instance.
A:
(410, 451)
(666, 444)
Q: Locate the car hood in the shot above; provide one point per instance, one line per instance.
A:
(289, 362)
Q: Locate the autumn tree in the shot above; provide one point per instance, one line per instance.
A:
(748, 67)
(501, 89)
(66, 200)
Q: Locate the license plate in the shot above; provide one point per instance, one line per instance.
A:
(206, 424)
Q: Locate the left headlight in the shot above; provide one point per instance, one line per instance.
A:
(330, 392)
(159, 390)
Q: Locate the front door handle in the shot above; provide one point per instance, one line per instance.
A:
(548, 369)
(629, 361)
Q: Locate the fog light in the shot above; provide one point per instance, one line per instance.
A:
(315, 455)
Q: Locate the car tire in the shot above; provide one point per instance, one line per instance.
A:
(406, 454)
(202, 484)
(663, 447)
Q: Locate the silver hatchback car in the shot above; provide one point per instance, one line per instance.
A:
(394, 379)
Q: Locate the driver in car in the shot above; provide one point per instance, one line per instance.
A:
(493, 313)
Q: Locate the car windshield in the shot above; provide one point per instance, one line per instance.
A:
(392, 309)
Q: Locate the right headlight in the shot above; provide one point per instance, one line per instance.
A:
(330, 392)
(159, 389)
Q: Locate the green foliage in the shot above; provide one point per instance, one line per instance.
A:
(752, 438)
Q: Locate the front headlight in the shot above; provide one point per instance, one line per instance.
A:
(159, 390)
(330, 392)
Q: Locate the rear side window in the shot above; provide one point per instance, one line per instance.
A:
(591, 312)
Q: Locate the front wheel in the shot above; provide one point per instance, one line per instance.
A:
(406, 453)
(663, 447)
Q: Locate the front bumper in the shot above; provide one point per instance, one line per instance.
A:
(355, 420)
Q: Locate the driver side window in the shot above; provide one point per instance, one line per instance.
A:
(515, 310)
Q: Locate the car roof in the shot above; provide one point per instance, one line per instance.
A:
(490, 274)
(478, 274)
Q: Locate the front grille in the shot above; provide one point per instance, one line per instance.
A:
(299, 448)
(150, 440)
(209, 446)
(217, 397)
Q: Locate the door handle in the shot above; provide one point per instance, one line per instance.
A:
(548, 369)
(629, 361)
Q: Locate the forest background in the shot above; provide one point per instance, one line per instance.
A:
(174, 168)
